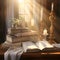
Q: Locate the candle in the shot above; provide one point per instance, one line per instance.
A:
(41, 13)
(45, 32)
(52, 6)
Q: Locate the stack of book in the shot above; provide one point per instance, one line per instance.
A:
(23, 34)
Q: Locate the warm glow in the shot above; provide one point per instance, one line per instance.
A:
(31, 9)
(52, 6)
(32, 22)
(20, 1)
(45, 32)
(26, 9)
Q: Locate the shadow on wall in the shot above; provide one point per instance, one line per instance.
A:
(2, 21)
(57, 30)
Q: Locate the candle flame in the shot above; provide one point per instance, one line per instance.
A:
(45, 32)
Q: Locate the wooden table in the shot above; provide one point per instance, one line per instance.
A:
(35, 55)
(2, 51)
(41, 56)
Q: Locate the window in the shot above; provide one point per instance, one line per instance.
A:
(28, 9)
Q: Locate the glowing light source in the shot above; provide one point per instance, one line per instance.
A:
(45, 32)
(20, 1)
(52, 6)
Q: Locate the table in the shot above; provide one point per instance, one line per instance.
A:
(35, 55)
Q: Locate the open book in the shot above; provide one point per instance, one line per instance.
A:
(32, 47)
(43, 44)
(28, 45)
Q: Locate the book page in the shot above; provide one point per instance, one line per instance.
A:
(46, 44)
(28, 45)
(40, 45)
(43, 44)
